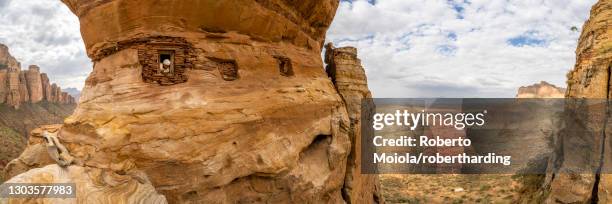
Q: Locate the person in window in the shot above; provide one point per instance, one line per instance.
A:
(164, 67)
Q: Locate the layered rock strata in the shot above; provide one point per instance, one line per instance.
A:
(92, 185)
(541, 90)
(216, 102)
(590, 79)
(29, 86)
(348, 76)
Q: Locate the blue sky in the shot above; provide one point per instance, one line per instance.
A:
(460, 48)
(409, 48)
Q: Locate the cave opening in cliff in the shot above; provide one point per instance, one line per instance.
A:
(284, 66)
(166, 62)
(229, 70)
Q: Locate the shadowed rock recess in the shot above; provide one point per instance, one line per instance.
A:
(209, 101)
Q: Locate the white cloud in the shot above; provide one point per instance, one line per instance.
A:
(410, 48)
(45, 33)
(478, 48)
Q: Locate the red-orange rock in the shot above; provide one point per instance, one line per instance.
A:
(34, 83)
(350, 80)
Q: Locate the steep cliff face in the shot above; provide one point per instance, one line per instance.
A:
(541, 90)
(589, 79)
(34, 83)
(242, 112)
(29, 86)
(590, 76)
(6, 60)
(350, 80)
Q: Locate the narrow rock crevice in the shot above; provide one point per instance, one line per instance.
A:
(595, 191)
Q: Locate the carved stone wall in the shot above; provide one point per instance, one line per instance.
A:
(149, 57)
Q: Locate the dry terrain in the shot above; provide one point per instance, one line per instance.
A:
(449, 188)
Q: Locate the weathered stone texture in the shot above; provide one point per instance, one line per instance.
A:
(589, 79)
(4, 91)
(240, 127)
(350, 80)
(46, 86)
(24, 95)
(34, 83)
(6, 60)
(92, 185)
(590, 76)
(13, 98)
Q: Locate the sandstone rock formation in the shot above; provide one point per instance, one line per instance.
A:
(6, 60)
(26, 92)
(589, 79)
(217, 102)
(29, 86)
(350, 80)
(92, 185)
(34, 83)
(46, 86)
(541, 90)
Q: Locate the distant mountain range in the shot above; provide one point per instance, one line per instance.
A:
(541, 90)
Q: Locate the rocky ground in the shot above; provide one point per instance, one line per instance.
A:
(31, 116)
(449, 188)
(15, 124)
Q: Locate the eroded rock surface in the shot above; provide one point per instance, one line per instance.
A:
(541, 90)
(29, 86)
(242, 112)
(350, 80)
(6, 59)
(91, 185)
(589, 79)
